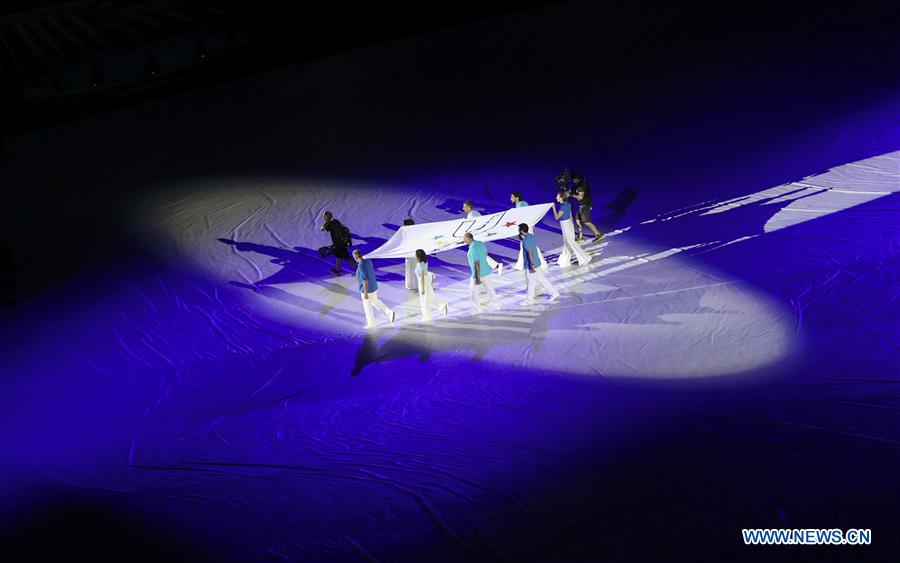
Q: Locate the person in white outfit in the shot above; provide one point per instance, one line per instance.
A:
(481, 272)
(570, 247)
(533, 270)
(410, 278)
(427, 298)
(469, 209)
(471, 213)
(368, 290)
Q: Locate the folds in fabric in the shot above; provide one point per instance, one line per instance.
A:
(447, 235)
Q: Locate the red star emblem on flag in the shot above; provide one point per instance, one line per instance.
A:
(509, 223)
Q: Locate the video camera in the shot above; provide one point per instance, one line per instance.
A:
(563, 180)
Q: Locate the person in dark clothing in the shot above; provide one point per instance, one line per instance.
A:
(583, 196)
(340, 241)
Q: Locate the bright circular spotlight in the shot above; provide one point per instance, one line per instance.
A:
(631, 312)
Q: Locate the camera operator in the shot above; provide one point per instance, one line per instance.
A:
(583, 197)
(340, 241)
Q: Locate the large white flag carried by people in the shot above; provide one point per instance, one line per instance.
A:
(447, 235)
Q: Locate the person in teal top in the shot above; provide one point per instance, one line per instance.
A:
(529, 248)
(570, 247)
(427, 298)
(472, 213)
(565, 210)
(481, 273)
(477, 257)
(533, 271)
(516, 199)
(365, 276)
(368, 290)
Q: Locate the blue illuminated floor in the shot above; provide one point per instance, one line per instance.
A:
(202, 388)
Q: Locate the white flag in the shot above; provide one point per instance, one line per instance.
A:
(447, 235)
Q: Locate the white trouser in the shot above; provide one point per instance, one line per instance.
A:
(520, 262)
(412, 281)
(427, 298)
(570, 247)
(540, 277)
(373, 301)
(486, 283)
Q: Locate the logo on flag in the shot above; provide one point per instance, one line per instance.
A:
(447, 235)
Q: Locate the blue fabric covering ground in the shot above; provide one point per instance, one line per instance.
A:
(726, 361)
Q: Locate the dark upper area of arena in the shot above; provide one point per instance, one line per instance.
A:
(44, 43)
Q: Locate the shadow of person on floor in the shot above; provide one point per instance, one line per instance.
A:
(367, 244)
(295, 300)
(455, 206)
(451, 205)
(369, 352)
(301, 265)
(297, 266)
(696, 231)
(458, 333)
(693, 229)
(613, 212)
(713, 226)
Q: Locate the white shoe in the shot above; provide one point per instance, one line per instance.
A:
(526, 303)
(445, 309)
(369, 327)
(392, 315)
(477, 310)
(554, 298)
(500, 270)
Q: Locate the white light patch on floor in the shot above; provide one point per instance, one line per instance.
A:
(634, 311)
